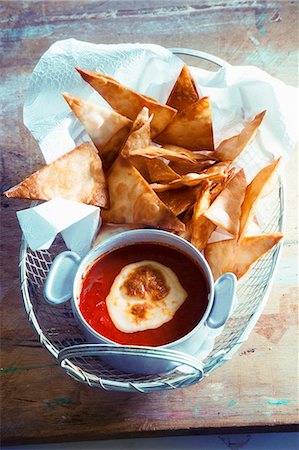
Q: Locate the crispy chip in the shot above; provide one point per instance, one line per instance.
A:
(200, 227)
(186, 219)
(215, 173)
(139, 137)
(133, 201)
(184, 91)
(76, 176)
(231, 148)
(191, 128)
(179, 200)
(140, 134)
(152, 151)
(159, 171)
(196, 155)
(218, 186)
(100, 123)
(128, 102)
(110, 150)
(184, 167)
(237, 257)
(225, 211)
(253, 193)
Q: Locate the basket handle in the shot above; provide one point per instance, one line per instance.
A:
(202, 55)
(180, 358)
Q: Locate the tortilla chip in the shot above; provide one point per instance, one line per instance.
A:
(184, 167)
(110, 150)
(140, 134)
(253, 193)
(100, 123)
(237, 257)
(76, 176)
(139, 137)
(179, 200)
(225, 211)
(233, 147)
(214, 173)
(200, 227)
(127, 102)
(184, 91)
(196, 156)
(186, 219)
(152, 151)
(159, 171)
(218, 186)
(133, 201)
(191, 128)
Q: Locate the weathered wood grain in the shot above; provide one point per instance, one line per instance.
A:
(258, 387)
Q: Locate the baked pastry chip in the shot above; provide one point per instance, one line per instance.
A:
(184, 92)
(225, 211)
(140, 134)
(233, 147)
(128, 102)
(253, 193)
(77, 175)
(107, 129)
(201, 227)
(100, 123)
(179, 200)
(133, 201)
(217, 172)
(236, 256)
(159, 171)
(191, 128)
(139, 137)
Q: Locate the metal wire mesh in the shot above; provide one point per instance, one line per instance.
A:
(57, 327)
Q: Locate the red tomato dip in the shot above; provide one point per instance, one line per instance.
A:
(99, 278)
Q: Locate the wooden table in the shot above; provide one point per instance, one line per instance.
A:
(257, 389)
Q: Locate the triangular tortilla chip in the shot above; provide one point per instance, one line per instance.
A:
(233, 147)
(214, 173)
(225, 211)
(196, 155)
(184, 91)
(76, 176)
(133, 201)
(218, 186)
(140, 134)
(159, 171)
(237, 257)
(128, 102)
(253, 193)
(179, 200)
(191, 128)
(153, 151)
(184, 167)
(100, 123)
(139, 137)
(200, 227)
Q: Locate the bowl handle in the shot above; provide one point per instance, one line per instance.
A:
(59, 284)
(225, 293)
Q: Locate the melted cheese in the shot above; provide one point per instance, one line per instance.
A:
(144, 296)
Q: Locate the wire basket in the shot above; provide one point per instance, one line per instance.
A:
(60, 334)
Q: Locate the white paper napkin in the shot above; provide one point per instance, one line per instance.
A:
(77, 223)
